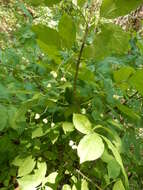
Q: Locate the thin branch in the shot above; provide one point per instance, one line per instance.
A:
(130, 97)
(89, 180)
(109, 184)
(124, 103)
(79, 59)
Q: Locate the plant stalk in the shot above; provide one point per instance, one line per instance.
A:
(79, 60)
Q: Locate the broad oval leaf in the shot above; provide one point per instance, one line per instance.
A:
(51, 178)
(37, 132)
(27, 166)
(18, 161)
(49, 40)
(113, 169)
(66, 187)
(51, 51)
(106, 157)
(84, 185)
(112, 39)
(67, 30)
(118, 186)
(68, 127)
(82, 123)
(47, 35)
(91, 147)
(115, 8)
(30, 182)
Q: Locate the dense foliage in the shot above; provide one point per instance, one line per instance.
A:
(71, 90)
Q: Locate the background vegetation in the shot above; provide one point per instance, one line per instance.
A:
(71, 87)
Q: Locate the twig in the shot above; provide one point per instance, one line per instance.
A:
(110, 183)
(124, 103)
(130, 97)
(89, 180)
(79, 59)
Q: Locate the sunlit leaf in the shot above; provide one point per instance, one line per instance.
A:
(118, 186)
(82, 123)
(91, 147)
(66, 187)
(68, 127)
(27, 166)
(51, 178)
(84, 185)
(30, 182)
(37, 132)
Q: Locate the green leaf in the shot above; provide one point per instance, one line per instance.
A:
(38, 132)
(66, 187)
(35, 2)
(106, 157)
(113, 134)
(11, 112)
(136, 81)
(52, 51)
(67, 30)
(84, 185)
(118, 185)
(91, 147)
(115, 8)
(51, 3)
(81, 2)
(74, 187)
(117, 125)
(68, 127)
(123, 74)
(3, 117)
(86, 75)
(18, 161)
(129, 112)
(111, 40)
(118, 159)
(27, 166)
(51, 178)
(30, 182)
(113, 169)
(47, 35)
(48, 40)
(82, 123)
(54, 136)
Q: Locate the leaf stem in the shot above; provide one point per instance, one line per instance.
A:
(79, 59)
